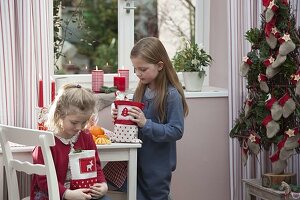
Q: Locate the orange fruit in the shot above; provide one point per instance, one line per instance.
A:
(96, 130)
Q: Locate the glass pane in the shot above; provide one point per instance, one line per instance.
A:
(86, 33)
(167, 19)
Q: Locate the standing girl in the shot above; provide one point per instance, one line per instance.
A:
(68, 116)
(161, 122)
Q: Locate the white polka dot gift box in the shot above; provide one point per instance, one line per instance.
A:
(126, 130)
(83, 169)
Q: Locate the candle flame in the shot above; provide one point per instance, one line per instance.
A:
(70, 62)
(86, 67)
(107, 64)
(96, 67)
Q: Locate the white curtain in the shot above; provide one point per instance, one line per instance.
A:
(26, 52)
(243, 15)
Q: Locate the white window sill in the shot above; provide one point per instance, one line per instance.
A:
(86, 79)
(207, 91)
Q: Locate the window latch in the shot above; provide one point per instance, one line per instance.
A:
(128, 7)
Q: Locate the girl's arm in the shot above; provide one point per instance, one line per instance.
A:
(172, 130)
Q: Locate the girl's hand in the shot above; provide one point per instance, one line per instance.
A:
(79, 194)
(98, 190)
(113, 111)
(138, 116)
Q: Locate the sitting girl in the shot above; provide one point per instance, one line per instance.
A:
(68, 116)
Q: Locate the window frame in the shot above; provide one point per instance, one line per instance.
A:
(126, 42)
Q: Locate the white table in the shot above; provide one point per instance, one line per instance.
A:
(254, 188)
(112, 152)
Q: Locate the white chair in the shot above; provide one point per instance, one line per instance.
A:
(28, 137)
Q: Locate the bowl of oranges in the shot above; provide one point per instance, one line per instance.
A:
(99, 135)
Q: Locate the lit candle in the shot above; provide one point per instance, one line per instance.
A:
(97, 79)
(40, 93)
(71, 68)
(125, 73)
(119, 83)
(52, 89)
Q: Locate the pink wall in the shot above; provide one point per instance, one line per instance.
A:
(203, 155)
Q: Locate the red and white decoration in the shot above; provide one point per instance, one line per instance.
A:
(270, 11)
(272, 37)
(248, 105)
(272, 105)
(272, 127)
(286, 45)
(262, 79)
(97, 79)
(253, 143)
(295, 80)
(125, 130)
(245, 66)
(83, 169)
(288, 105)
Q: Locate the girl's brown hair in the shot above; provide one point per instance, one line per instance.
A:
(71, 99)
(151, 50)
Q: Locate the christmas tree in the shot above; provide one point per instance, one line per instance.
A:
(271, 112)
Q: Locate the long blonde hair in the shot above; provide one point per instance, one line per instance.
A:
(71, 99)
(152, 51)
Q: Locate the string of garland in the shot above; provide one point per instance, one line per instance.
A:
(294, 188)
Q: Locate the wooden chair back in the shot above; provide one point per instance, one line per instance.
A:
(28, 137)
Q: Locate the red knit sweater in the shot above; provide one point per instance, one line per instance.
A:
(61, 159)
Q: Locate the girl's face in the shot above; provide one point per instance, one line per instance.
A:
(146, 72)
(74, 123)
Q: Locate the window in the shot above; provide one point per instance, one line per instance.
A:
(150, 18)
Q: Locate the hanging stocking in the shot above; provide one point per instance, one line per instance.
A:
(248, 105)
(270, 12)
(288, 105)
(244, 152)
(275, 32)
(274, 107)
(286, 45)
(295, 80)
(278, 61)
(297, 89)
(262, 79)
(271, 126)
(278, 165)
(285, 153)
(245, 66)
(292, 138)
(253, 144)
(270, 72)
(272, 41)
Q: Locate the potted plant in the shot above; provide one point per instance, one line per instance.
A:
(192, 60)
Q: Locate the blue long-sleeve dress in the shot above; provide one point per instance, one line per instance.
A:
(157, 157)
